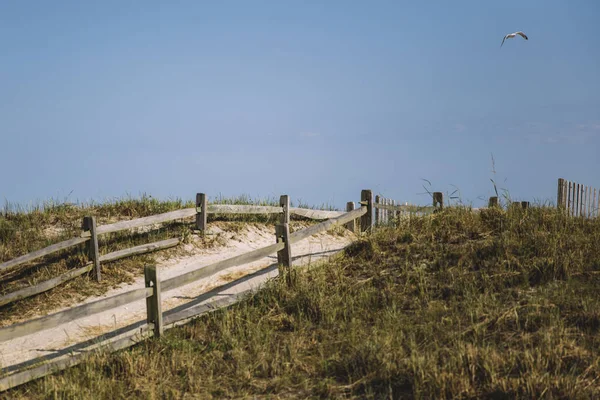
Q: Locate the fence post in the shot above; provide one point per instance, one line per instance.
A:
(560, 202)
(569, 196)
(201, 219)
(525, 204)
(153, 304)
(282, 234)
(493, 202)
(595, 205)
(366, 221)
(377, 210)
(587, 201)
(89, 224)
(388, 212)
(438, 199)
(351, 226)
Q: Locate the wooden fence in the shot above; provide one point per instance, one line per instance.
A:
(578, 199)
(155, 323)
(91, 232)
(387, 211)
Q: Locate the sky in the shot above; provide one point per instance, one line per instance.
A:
(314, 99)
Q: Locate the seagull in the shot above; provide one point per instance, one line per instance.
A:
(512, 35)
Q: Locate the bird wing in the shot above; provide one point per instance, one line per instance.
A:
(503, 40)
(523, 35)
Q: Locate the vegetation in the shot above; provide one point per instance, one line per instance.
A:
(459, 304)
(26, 230)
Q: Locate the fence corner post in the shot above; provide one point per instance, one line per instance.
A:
(202, 204)
(438, 200)
(493, 202)
(153, 304)
(89, 224)
(351, 226)
(366, 221)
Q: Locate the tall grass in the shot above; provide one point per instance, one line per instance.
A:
(495, 304)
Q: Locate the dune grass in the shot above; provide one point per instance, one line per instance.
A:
(495, 304)
(23, 230)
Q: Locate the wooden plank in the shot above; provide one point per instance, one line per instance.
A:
(366, 221)
(44, 286)
(89, 225)
(53, 320)
(378, 210)
(596, 201)
(141, 249)
(154, 313)
(315, 214)
(325, 225)
(569, 202)
(587, 201)
(242, 209)
(388, 202)
(42, 252)
(212, 269)
(139, 222)
(577, 200)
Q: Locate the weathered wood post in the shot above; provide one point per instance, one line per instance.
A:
(377, 210)
(153, 304)
(493, 202)
(587, 201)
(525, 205)
(569, 198)
(560, 196)
(578, 193)
(366, 221)
(351, 226)
(388, 213)
(89, 224)
(438, 199)
(282, 233)
(201, 211)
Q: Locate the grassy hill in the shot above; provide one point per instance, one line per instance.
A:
(492, 304)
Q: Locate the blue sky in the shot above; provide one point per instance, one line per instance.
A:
(315, 99)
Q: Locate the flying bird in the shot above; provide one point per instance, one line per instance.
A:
(512, 35)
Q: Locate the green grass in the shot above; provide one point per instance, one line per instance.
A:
(496, 304)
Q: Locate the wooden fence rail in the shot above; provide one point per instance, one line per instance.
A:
(153, 289)
(54, 282)
(579, 200)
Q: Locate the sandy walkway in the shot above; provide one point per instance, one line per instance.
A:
(19, 351)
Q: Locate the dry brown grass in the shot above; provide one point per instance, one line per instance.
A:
(457, 305)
